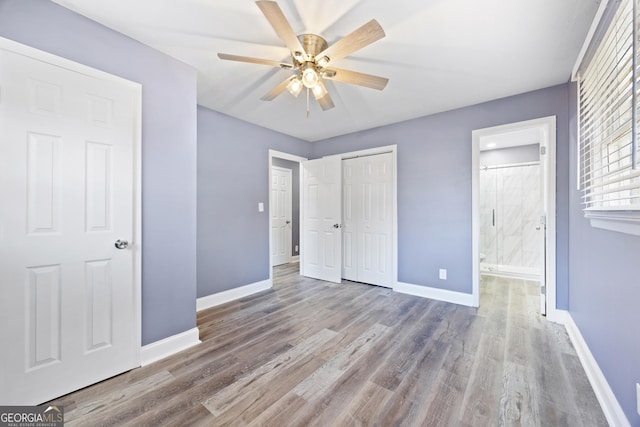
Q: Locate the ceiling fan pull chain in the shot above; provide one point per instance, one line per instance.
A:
(307, 103)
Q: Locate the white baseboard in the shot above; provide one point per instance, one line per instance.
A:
(295, 258)
(171, 345)
(557, 316)
(232, 294)
(435, 293)
(610, 406)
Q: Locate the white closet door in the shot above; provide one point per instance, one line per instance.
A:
(68, 307)
(321, 239)
(368, 219)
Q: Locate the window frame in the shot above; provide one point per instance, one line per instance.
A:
(594, 151)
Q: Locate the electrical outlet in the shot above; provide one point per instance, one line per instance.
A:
(296, 248)
(443, 274)
(638, 397)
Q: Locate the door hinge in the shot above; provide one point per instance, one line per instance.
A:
(543, 290)
(543, 150)
(543, 219)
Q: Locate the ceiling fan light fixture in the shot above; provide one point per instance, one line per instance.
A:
(295, 86)
(319, 91)
(310, 57)
(310, 76)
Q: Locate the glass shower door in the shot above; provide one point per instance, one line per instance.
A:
(510, 205)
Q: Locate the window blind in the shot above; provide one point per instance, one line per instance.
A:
(608, 110)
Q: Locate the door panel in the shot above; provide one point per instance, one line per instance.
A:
(68, 303)
(368, 219)
(43, 308)
(281, 213)
(321, 256)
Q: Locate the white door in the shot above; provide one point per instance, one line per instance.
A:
(368, 219)
(280, 215)
(321, 238)
(69, 307)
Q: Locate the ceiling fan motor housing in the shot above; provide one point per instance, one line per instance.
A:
(312, 44)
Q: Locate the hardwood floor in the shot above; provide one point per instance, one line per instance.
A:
(311, 353)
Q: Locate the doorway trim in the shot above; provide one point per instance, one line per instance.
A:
(547, 128)
(285, 156)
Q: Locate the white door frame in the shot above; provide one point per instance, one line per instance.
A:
(285, 156)
(136, 244)
(547, 128)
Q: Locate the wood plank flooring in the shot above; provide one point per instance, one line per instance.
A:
(312, 353)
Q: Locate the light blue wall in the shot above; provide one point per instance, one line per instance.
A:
(233, 177)
(168, 148)
(604, 277)
(434, 184)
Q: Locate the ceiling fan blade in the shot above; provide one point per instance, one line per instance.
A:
(325, 101)
(273, 93)
(356, 40)
(356, 78)
(254, 60)
(276, 18)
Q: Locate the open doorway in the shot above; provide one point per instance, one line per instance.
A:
(515, 254)
(284, 211)
(284, 221)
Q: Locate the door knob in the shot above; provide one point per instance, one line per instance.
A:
(336, 226)
(287, 222)
(121, 244)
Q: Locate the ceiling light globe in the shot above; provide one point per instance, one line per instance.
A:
(310, 77)
(295, 86)
(319, 91)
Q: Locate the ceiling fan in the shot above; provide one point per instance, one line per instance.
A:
(312, 58)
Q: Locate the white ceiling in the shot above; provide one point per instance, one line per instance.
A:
(438, 54)
(515, 138)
